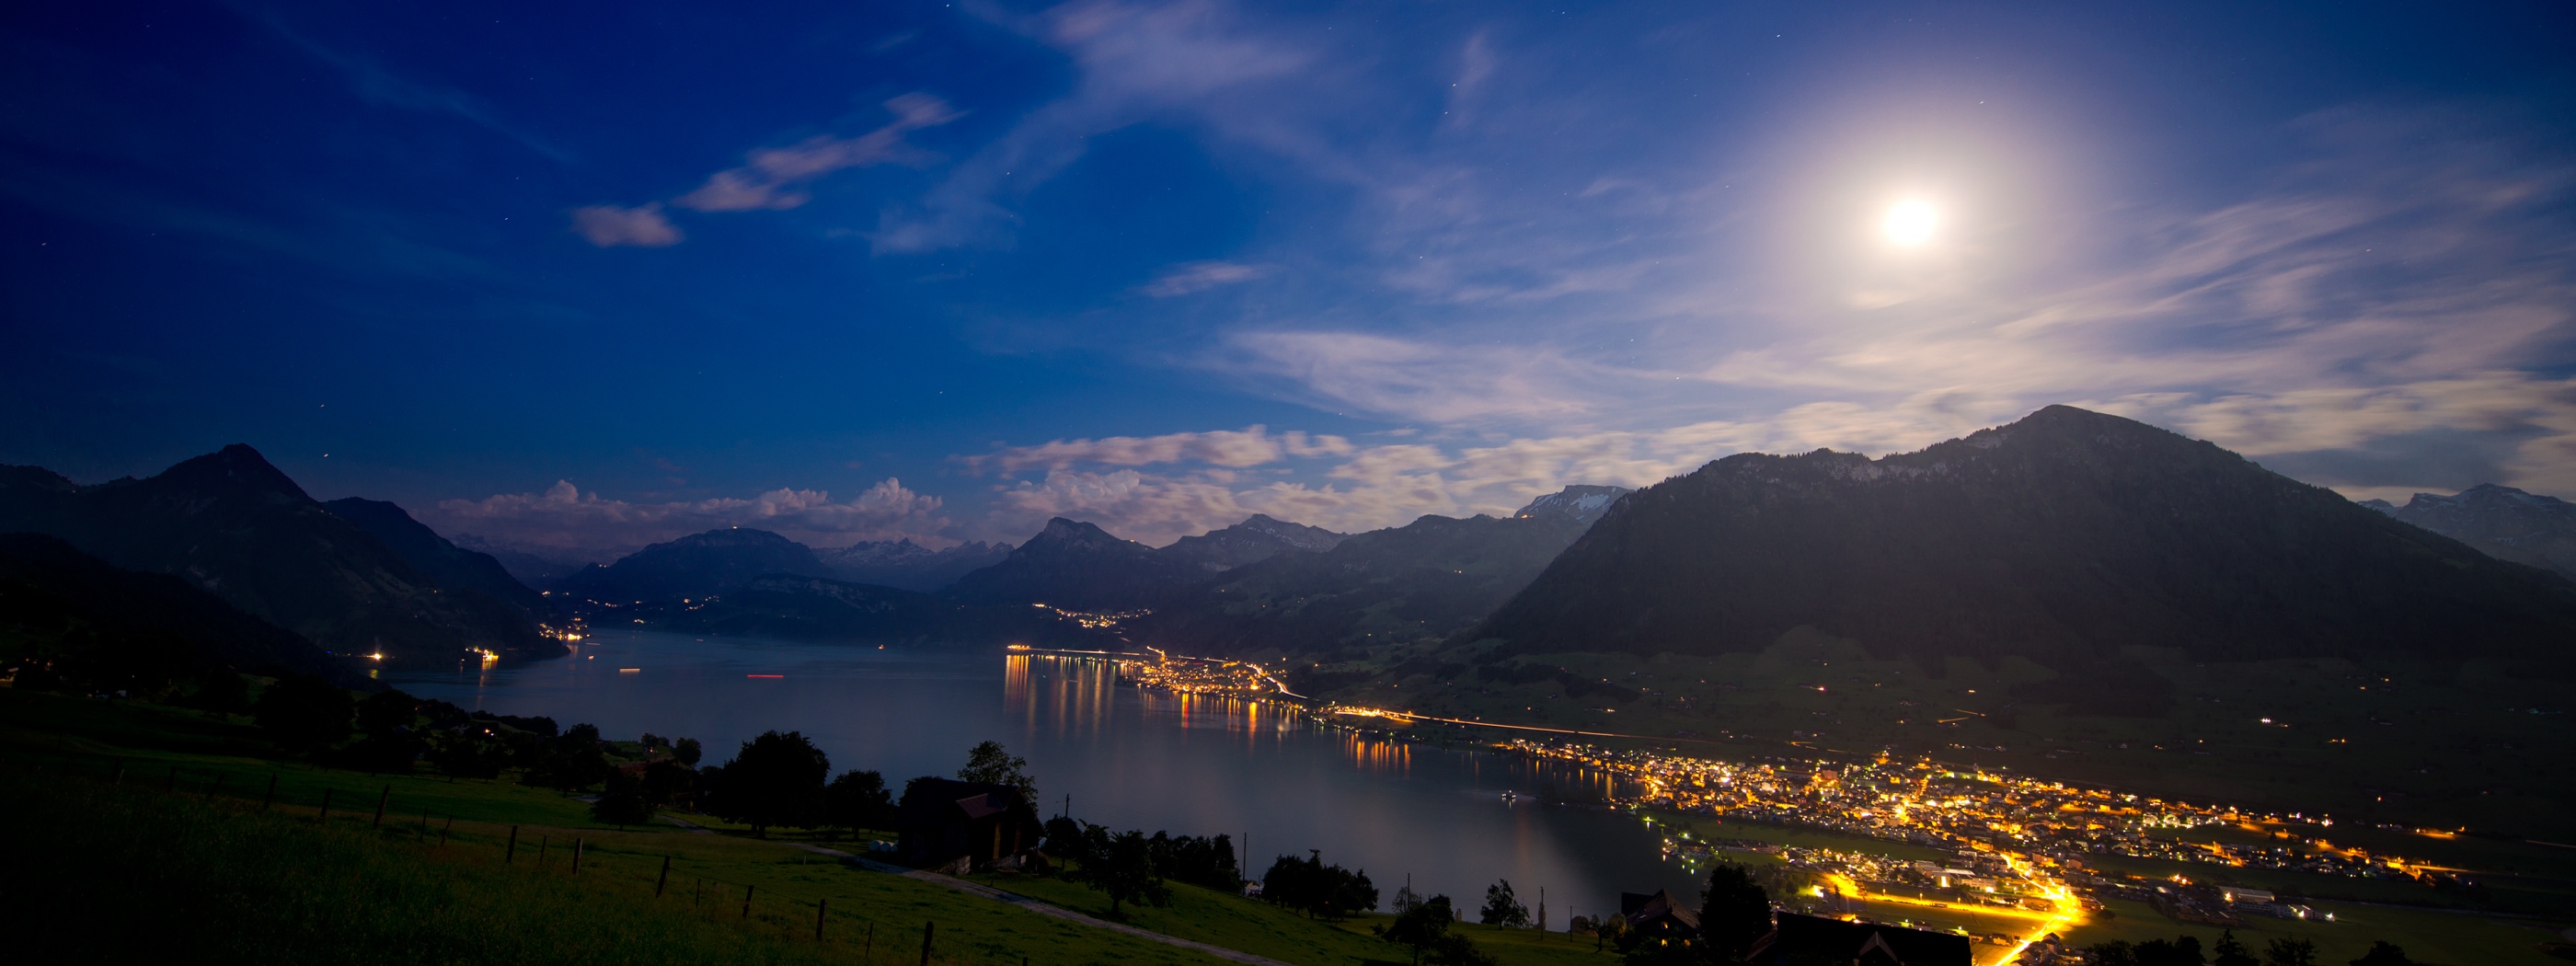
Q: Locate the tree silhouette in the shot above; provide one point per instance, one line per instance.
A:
(776, 779)
(1502, 908)
(2290, 952)
(2382, 953)
(1125, 871)
(623, 803)
(857, 800)
(1420, 924)
(303, 713)
(990, 764)
(2231, 952)
(1734, 911)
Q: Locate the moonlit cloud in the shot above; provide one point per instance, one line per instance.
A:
(1195, 277)
(566, 521)
(775, 178)
(609, 226)
(1252, 446)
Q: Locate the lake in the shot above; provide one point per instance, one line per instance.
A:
(1129, 758)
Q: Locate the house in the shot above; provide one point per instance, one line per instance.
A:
(1658, 916)
(965, 825)
(1802, 939)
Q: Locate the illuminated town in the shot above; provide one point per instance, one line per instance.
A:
(2015, 851)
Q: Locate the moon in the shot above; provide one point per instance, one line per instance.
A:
(1910, 223)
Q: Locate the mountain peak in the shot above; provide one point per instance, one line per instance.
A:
(2504, 522)
(235, 467)
(1582, 503)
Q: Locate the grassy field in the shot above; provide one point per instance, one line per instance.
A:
(168, 816)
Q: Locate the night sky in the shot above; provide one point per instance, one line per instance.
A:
(574, 277)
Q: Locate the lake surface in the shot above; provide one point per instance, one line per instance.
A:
(1129, 758)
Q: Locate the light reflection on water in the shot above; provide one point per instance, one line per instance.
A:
(1192, 764)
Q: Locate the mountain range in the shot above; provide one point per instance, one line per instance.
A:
(232, 525)
(2060, 538)
(2507, 523)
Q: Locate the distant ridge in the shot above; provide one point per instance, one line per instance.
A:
(2061, 537)
(907, 565)
(1425, 580)
(697, 565)
(1257, 538)
(1077, 566)
(2507, 523)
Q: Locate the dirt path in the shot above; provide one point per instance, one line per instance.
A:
(1024, 902)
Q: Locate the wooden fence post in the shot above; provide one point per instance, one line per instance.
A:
(746, 901)
(272, 792)
(381, 800)
(663, 879)
(216, 787)
(120, 772)
(325, 814)
(513, 853)
(870, 949)
(576, 855)
(542, 842)
(927, 930)
(820, 910)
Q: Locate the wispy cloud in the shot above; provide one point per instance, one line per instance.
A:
(609, 226)
(565, 520)
(1233, 449)
(1193, 277)
(775, 178)
(770, 178)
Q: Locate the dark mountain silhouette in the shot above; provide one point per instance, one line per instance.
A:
(1428, 579)
(2061, 537)
(698, 565)
(1078, 566)
(1256, 539)
(452, 567)
(86, 622)
(908, 565)
(231, 524)
(2507, 523)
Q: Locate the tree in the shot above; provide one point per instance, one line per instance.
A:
(687, 751)
(2231, 952)
(666, 780)
(1324, 891)
(857, 800)
(303, 713)
(1734, 911)
(1419, 923)
(468, 755)
(2117, 952)
(2290, 952)
(387, 712)
(1502, 908)
(2384, 954)
(2184, 951)
(990, 764)
(776, 779)
(1457, 950)
(1125, 871)
(623, 803)
(569, 761)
